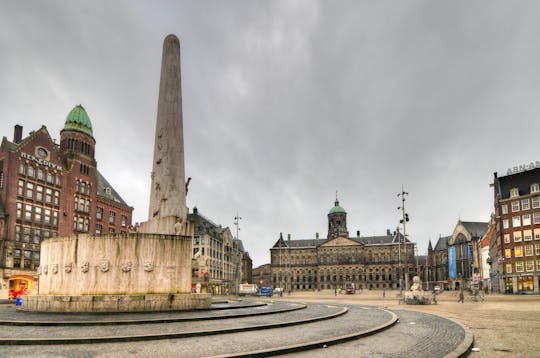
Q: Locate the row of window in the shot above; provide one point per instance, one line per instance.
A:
(81, 223)
(522, 266)
(535, 188)
(112, 217)
(27, 254)
(43, 175)
(522, 220)
(82, 187)
(32, 235)
(37, 214)
(82, 205)
(38, 192)
(524, 204)
(518, 237)
(529, 250)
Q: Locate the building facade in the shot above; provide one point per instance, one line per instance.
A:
(378, 262)
(218, 258)
(49, 190)
(438, 263)
(515, 248)
(464, 260)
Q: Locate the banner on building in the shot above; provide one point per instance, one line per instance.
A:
(451, 262)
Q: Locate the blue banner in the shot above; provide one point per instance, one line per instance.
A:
(469, 251)
(452, 263)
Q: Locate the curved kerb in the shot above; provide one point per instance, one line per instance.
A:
(152, 321)
(151, 337)
(314, 344)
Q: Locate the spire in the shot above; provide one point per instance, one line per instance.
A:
(336, 203)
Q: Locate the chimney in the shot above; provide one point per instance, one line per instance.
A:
(357, 233)
(17, 134)
(317, 235)
(388, 233)
(289, 237)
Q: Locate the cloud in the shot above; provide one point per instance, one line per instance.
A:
(285, 102)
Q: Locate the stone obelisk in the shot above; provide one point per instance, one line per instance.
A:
(168, 211)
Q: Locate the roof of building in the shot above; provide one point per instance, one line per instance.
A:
(105, 190)
(485, 241)
(522, 181)
(476, 229)
(422, 259)
(442, 243)
(363, 240)
(336, 208)
(78, 120)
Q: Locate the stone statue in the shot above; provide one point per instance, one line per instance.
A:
(417, 284)
(416, 295)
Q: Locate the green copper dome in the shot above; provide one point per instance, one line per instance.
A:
(78, 120)
(337, 208)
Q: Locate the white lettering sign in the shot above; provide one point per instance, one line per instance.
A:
(41, 161)
(523, 168)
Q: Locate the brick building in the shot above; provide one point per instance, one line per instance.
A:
(515, 248)
(378, 262)
(49, 190)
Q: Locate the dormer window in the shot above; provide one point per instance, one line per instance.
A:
(535, 188)
(514, 192)
(108, 190)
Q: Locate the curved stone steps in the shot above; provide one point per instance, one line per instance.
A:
(218, 311)
(358, 322)
(416, 335)
(34, 335)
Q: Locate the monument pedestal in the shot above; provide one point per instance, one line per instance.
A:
(116, 303)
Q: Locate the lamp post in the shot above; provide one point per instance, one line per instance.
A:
(237, 219)
(403, 221)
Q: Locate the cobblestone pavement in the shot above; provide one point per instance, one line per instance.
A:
(356, 320)
(416, 335)
(313, 311)
(503, 325)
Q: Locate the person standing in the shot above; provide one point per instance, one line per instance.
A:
(461, 297)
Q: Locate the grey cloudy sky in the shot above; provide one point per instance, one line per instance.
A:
(286, 102)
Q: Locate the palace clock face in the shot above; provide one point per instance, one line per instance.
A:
(42, 153)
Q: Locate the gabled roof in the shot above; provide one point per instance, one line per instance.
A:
(442, 243)
(363, 240)
(476, 229)
(106, 190)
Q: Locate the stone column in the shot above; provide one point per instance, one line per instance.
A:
(168, 208)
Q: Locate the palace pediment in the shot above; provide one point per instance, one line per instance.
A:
(341, 241)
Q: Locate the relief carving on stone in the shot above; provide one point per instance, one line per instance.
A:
(104, 266)
(148, 266)
(126, 266)
(68, 268)
(85, 267)
(39, 270)
(55, 268)
(46, 269)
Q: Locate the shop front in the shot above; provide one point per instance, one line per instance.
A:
(20, 285)
(525, 284)
(508, 285)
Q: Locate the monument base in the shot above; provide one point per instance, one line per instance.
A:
(116, 303)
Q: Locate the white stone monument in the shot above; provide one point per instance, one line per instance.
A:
(148, 270)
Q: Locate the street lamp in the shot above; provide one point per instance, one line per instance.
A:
(404, 219)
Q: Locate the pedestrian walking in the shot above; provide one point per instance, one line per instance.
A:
(461, 297)
(383, 293)
(335, 291)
